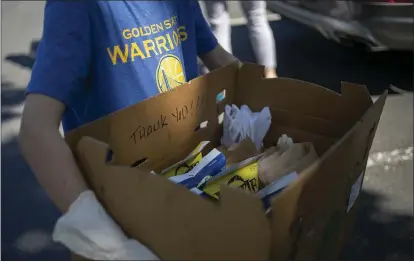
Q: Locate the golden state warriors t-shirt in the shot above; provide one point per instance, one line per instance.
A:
(100, 56)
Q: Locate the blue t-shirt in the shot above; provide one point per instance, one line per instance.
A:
(98, 57)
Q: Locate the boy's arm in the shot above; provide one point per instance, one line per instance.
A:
(85, 221)
(217, 58)
(62, 65)
(61, 69)
(47, 153)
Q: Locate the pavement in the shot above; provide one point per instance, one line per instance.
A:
(384, 229)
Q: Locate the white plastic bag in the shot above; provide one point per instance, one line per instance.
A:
(239, 124)
(87, 230)
(284, 142)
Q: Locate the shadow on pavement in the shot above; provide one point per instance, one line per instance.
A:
(10, 96)
(25, 203)
(28, 214)
(8, 115)
(22, 59)
(25, 60)
(304, 54)
(379, 235)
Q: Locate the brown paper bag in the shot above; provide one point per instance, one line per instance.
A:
(270, 151)
(239, 152)
(277, 164)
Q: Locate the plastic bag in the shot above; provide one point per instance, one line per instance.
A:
(239, 124)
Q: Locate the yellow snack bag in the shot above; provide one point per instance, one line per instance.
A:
(244, 175)
(186, 164)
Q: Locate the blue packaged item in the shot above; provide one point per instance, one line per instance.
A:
(198, 192)
(275, 188)
(209, 166)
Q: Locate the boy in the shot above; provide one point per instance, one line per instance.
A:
(97, 57)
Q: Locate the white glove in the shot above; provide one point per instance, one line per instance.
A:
(87, 230)
(239, 124)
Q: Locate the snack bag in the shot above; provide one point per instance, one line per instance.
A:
(243, 175)
(209, 166)
(186, 164)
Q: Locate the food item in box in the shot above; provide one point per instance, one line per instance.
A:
(296, 157)
(186, 164)
(240, 151)
(276, 187)
(284, 142)
(242, 175)
(209, 166)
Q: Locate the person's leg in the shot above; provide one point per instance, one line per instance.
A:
(219, 19)
(261, 35)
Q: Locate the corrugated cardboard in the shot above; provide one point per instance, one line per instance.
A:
(309, 219)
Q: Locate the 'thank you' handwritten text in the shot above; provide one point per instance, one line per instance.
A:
(180, 114)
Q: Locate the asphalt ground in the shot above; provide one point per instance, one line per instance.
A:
(384, 229)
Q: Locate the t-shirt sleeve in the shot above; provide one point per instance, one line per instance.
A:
(63, 56)
(206, 41)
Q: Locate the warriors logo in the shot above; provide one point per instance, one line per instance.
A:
(170, 73)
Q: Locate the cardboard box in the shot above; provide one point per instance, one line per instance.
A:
(310, 219)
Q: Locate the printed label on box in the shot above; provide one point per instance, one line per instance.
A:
(355, 189)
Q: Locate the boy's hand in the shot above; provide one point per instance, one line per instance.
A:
(218, 58)
(87, 230)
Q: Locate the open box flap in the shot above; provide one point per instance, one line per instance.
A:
(236, 229)
(300, 97)
(169, 120)
(321, 192)
(344, 214)
(301, 109)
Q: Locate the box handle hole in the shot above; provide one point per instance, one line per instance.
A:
(139, 162)
(109, 156)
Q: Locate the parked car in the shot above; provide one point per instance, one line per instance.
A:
(379, 25)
